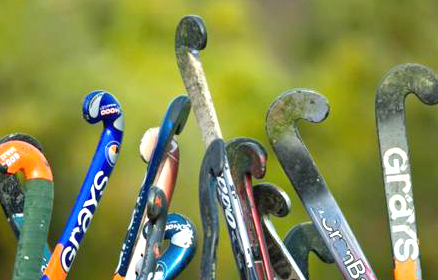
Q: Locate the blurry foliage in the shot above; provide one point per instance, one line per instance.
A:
(53, 52)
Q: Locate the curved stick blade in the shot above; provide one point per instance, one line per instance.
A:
(394, 154)
(301, 170)
(247, 158)
(303, 238)
(212, 165)
(271, 200)
(190, 39)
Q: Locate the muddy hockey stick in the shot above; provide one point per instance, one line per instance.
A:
(271, 200)
(212, 178)
(98, 106)
(394, 154)
(303, 239)
(190, 39)
(21, 156)
(248, 157)
(173, 123)
(282, 130)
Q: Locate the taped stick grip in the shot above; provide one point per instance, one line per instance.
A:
(33, 237)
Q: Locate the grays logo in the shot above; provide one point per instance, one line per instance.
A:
(400, 205)
(83, 221)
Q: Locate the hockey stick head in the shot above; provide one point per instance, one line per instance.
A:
(212, 166)
(21, 156)
(177, 114)
(214, 158)
(394, 154)
(156, 209)
(402, 80)
(303, 238)
(271, 200)
(246, 156)
(183, 241)
(17, 156)
(191, 35)
(292, 105)
(173, 123)
(11, 194)
(100, 105)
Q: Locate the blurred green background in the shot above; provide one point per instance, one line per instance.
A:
(52, 53)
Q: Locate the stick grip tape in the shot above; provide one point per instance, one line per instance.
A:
(33, 237)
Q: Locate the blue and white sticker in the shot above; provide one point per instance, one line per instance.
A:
(112, 152)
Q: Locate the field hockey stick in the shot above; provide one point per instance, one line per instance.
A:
(271, 200)
(157, 207)
(173, 123)
(190, 39)
(247, 158)
(301, 240)
(98, 106)
(282, 130)
(211, 167)
(12, 194)
(183, 239)
(394, 155)
(21, 156)
(212, 176)
(165, 179)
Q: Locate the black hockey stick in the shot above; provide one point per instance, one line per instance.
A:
(394, 154)
(281, 127)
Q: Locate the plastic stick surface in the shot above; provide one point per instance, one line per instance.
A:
(394, 154)
(98, 106)
(281, 126)
(173, 123)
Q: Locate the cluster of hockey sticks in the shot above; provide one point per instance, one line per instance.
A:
(227, 170)
(225, 178)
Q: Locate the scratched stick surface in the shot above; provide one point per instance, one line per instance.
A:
(215, 164)
(394, 153)
(282, 130)
(248, 158)
(190, 39)
(271, 200)
(303, 239)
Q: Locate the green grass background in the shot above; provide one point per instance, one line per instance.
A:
(52, 53)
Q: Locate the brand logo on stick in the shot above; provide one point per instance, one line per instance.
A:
(401, 206)
(112, 152)
(226, 201)
(83, 221)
